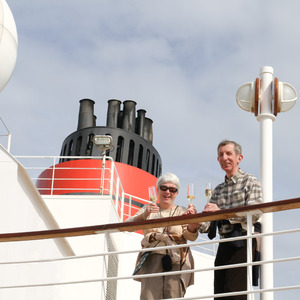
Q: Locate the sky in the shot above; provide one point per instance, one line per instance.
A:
(181, 61)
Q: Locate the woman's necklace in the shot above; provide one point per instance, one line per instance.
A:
(166, 228)
(169, 212)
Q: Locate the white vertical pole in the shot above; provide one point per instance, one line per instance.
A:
(9, 142)
(249, 257)
(112, 174)
(102, 173)
(266, 119)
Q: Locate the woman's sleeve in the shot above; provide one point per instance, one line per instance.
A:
(191, 236)
(140, 212)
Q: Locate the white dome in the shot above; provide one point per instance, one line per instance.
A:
(8, 43)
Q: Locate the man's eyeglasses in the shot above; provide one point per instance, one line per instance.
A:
(171, 189)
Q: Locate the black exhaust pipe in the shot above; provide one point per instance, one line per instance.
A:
(113, 113)
(86, 116)
(129, 115)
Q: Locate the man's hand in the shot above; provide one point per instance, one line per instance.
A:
(211, 207)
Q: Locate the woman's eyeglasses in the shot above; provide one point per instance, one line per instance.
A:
(171, 189)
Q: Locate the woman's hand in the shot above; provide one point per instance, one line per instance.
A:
(193, 227)
(150, 209)
(191, 210)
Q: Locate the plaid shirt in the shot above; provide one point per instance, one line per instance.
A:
(240, 190)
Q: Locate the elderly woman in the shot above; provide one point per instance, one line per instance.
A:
(172, 286)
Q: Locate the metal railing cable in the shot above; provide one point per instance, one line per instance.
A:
(114, 253)
(166, 274)
(163, 248)
(195, 270)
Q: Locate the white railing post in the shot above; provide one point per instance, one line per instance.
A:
(112, 173)
(249, 256)
(122, 207)
(102, 174)
(129, 208)
(8, 141)
(117, 193)
(52, 179)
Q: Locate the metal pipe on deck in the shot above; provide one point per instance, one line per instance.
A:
(266, 119)
(86, 116)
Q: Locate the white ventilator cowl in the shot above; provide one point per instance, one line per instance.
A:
(8, 44)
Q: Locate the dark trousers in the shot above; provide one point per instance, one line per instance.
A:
(231, 280)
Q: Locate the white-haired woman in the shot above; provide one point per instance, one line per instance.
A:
(172, 286)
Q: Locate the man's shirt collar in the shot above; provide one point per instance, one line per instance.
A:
(235, 177)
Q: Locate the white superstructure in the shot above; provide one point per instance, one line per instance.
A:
(24, 209)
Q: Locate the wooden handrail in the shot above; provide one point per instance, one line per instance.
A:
(134, 226)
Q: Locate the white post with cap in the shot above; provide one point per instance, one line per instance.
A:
(266, 119)
(265, 100)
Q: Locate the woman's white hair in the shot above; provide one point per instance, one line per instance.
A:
(168, 177)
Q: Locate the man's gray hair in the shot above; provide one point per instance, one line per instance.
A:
(237, 147)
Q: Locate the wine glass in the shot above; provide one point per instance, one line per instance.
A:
(152, 194)
(191, 192)
(208, 191)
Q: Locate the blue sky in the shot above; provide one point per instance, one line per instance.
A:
(181, 61)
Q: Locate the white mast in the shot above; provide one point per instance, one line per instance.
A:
(265, 100)
(266, 174)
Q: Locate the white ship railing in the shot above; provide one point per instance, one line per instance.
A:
(108, 177)
(33, 166)
(123, 227)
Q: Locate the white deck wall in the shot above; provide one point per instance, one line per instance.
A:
(23, 209)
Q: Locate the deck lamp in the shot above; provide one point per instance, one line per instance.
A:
(103, 142)
(283, 97)
(246, 96)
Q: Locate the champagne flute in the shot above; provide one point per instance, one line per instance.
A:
(152, 194)
(191, 193)
(208, 191)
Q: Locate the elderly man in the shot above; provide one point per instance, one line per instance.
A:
(238, 189)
